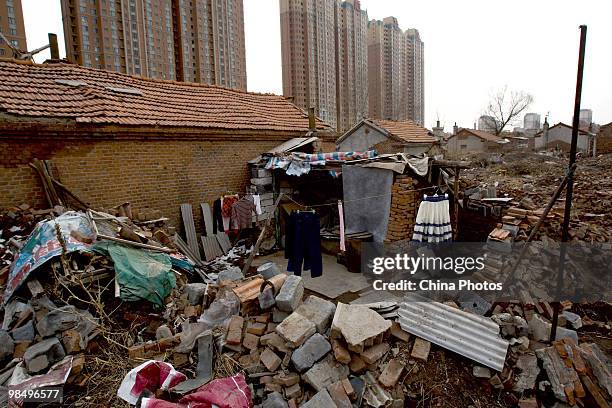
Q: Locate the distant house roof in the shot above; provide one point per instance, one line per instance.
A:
(404, 131)
(86, 95)
(482, 135)
(561, 124)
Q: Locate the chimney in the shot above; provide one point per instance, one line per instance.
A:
(545, 132)
(474, 125)
(312, 124)
(437, 123)
(455, 129)
(53, 46)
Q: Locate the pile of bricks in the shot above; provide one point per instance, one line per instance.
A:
(404, 205)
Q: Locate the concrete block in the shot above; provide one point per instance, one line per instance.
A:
(325, 373)
(321, 399)
(295, 329)
(278, 315)
(481, 372)
(275, 400)
(24, 333)
(391, 373)
(319, 311)
(290, 294)
(315, 348)
(41, 355)
(420, 349)
(195, 292)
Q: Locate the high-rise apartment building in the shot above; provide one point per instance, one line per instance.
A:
(395, 72)
(190, 40)
(415, 76)
(351, 63)
(324, 56)
(12, 27)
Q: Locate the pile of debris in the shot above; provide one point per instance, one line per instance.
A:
(530, 179)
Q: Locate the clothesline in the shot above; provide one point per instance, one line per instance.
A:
(357, 199)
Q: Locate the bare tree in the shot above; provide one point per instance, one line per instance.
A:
(505, 107)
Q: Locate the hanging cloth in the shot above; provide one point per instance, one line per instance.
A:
(341, 217)
(433, 220)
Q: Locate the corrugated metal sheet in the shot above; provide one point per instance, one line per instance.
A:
(470, 335)
(224, 242)
(208, 219)
(190, 231)
(211, 247)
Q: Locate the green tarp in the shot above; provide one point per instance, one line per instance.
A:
(140, 273)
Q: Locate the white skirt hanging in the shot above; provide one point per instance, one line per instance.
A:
(433, 220)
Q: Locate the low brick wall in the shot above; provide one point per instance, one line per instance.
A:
(155, 174)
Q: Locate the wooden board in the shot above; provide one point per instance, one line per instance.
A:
(208, 220)
(224, 242)
(211, 248)
(190, 231)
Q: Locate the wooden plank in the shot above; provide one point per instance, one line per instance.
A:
(190, 231)
(211, 247)
(208, 220)
(224, 242)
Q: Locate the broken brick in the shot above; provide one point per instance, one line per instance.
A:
(391, 373)
(234, 330)
(375, 353)
(420, 349)
(270, 360)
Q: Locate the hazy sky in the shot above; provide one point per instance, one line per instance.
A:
(472, 47)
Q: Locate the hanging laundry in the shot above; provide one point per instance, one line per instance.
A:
(303, 243)
(242, 213)
(341, 217)
(228, 202)
(217, 218)
(433, 220)
(257, 201)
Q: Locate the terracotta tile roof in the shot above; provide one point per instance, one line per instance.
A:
(102, 97)
(482, 135)
(407, 130)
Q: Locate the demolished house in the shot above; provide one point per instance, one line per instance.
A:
(119, 301)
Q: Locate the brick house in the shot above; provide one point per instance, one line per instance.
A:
(113, 138)
(473, 141)
(559, 136)
(604, 139)
(387, 136)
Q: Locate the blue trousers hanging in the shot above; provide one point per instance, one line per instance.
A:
(303, 244)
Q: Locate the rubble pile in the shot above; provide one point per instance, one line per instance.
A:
(108, 309)
(531, 179)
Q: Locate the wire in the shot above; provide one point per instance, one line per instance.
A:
(356, 199)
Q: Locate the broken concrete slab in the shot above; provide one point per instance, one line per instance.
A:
(540, 330)
(7, 345)
(325, 373)
(529, 370)
(573, 319)
(231, 274)
(391, 373)
(295, 329)
(41, 355)
(357, 324)
(290, 294)
(321, 399)
(204, 369)
(317, 310)
(313, 349)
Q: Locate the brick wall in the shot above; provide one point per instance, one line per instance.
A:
(404, 205)
(604, 140)
(150, 174)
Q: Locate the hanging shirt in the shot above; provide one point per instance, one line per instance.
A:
(226, 207)
(242, 212)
